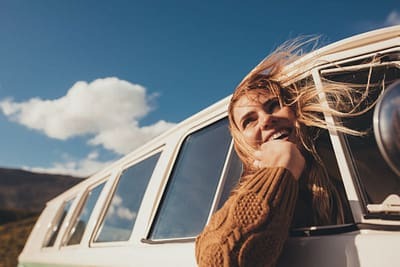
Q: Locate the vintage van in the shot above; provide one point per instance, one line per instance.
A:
(147, 208)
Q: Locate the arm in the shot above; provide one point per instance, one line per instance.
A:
(252, 226)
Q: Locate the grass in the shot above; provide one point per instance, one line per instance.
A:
(13, 236)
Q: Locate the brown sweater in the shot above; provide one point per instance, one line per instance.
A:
(252, 226)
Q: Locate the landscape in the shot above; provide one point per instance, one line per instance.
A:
(23, 195)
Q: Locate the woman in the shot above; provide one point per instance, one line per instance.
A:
(273, 128)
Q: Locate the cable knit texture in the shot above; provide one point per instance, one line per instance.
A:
(252, 226)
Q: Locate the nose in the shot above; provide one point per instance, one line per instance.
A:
(266, 120)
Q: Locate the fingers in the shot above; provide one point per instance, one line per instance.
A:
(257, 164)
(280, 153)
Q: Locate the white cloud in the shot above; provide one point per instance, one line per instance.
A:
(124, 138)
(81, 168)
(107, 110)
(117, 211)
(126, 214)
(393, 18)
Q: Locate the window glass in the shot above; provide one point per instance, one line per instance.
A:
(234, 171)
(78, 228)
(121, 213)
(56, 224)
(377, 181)
(186, 203)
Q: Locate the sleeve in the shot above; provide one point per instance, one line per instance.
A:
(252, 226)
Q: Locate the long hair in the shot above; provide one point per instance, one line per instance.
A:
(303, 98)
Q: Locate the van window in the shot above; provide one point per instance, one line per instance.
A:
(121, 213)
(190, 191)
(78, 228)
(233, 174)
(54, 228)
(375, 178)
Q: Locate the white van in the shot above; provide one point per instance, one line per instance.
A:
(147, 208)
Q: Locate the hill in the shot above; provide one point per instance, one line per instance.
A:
(7, 216)
(28, 191)
(23, 195)
(12, 239)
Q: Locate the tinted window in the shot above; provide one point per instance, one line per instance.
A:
(56, 224)
(186, 203)
(79, 226)
(120, 217)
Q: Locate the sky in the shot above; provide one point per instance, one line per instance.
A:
(84, 82)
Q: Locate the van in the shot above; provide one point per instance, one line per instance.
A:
(147, 208)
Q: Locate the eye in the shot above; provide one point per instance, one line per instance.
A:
(247, 121)
(272, 106)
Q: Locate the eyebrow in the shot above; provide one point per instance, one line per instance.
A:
(267, 103)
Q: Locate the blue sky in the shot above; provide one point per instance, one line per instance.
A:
(84, 82)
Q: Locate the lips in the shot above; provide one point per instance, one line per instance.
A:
(280, 134)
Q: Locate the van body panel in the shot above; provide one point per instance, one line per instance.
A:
(359, 248)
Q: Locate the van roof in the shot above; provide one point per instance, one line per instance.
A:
(339, 49)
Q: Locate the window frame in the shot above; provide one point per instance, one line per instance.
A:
(63, 225)
(361, 191)
(110, 194)
(352, 183)
(222, 181)
(78, 209)
(197, 126)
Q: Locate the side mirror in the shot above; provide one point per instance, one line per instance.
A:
(387, 126)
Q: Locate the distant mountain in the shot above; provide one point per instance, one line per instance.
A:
(28, 191)
(23, 195)
(7, 216)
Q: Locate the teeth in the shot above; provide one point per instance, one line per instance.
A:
(279, 134)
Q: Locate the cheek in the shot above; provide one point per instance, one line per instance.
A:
(251, 137)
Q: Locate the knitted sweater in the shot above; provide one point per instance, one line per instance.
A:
(252, 226)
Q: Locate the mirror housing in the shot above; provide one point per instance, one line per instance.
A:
(387, 126)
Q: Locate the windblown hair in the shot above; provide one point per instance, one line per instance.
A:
(344, 100)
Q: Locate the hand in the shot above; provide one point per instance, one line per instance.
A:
(279, 153)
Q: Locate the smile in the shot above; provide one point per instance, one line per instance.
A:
(281, 134)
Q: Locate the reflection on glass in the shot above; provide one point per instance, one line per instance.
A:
(234, 171)
(189, 195)
(77, 230)
(121, 214)
(55, 227)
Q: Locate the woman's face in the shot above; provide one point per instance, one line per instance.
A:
(260, 118)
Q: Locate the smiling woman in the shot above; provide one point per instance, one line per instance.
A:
(271, 128)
